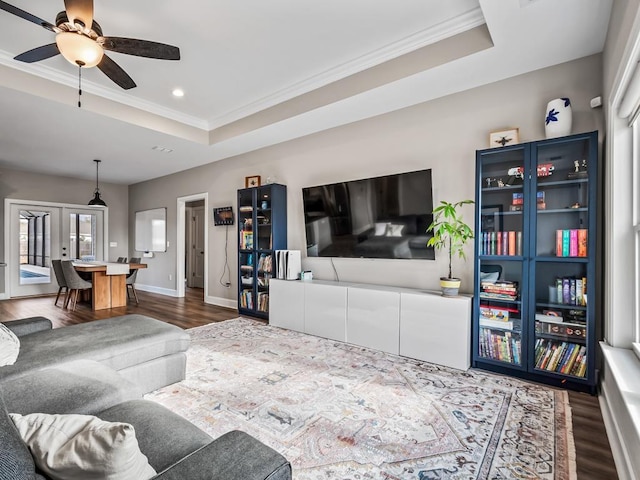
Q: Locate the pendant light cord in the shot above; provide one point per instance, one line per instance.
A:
(80, 87)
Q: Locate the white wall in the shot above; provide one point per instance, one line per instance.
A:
(442, 134)
(47, 188)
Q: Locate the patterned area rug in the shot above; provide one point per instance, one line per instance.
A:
(337, 411)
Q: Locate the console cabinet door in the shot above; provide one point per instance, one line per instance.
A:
(436, 329)
(325, 311)
(373, 319)
(287, 304)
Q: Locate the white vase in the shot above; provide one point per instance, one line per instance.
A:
(558, 118)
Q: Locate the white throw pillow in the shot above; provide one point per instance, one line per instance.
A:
(83, 447)
(380, 229)
(394, 230)
(9, 346)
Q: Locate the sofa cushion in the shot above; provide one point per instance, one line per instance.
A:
(15, 460)
(164, 436)
(118, 342)
(9, 346)
(80, 386)
(82, 447)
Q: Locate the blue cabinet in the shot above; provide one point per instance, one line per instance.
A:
(536, 296)
(262, 229)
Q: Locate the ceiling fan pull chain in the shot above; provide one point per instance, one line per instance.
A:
(79, 85)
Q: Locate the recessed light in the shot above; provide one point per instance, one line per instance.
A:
(178, 92)
(162, 149)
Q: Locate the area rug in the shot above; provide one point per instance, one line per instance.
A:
(337, 411)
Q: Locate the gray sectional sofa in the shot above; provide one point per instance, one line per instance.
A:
(103, 368)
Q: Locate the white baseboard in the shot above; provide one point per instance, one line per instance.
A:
(4, 296)
(221, 302)
(613, 434)
(169, 292)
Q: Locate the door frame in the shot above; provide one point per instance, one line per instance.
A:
(9, 202)
(181, 241)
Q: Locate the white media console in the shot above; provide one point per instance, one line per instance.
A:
(412, 323)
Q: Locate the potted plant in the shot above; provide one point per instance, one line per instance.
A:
(451, 233)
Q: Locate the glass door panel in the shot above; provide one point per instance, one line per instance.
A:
(561, 318)
(502, 204)
(500, 319)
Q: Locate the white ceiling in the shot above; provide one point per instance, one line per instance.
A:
(239, 58)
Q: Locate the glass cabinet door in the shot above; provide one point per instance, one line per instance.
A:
(561, 221)
(263, 218)
(500, 244)
(246, 280)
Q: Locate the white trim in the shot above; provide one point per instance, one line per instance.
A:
(180, 240)
(620, 408)
(71, 80)
(221, 302)
(169, 292)
(433, 34)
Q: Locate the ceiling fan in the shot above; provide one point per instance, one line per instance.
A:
(79, 39)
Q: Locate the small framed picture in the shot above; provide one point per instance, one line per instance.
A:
(252, 181)
(501, 138)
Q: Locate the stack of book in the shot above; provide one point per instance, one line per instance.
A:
(497, 317)
(504, 346)
(500, 290)
(571, 243)
(265, 263)
(571, 291)
(501, 243)
(561, 357)
(517, 202)
(554, 325)
(263, 302)
(246, 299)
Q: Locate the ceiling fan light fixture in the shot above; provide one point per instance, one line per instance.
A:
(79, 49)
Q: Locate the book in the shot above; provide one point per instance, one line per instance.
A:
(519, 243)
(488, 323)
(578, 291)
(540, 203)
(572, 291)
(499, 243)
(582, 242)
(573, 243)
(565, 242)
(517, 199)
(566, 291)
(496, 313)
(559, 290)
(512, 243)
(558, 243)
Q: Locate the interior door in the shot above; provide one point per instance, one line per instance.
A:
(35, 240)
(195, 275)
(83, 235)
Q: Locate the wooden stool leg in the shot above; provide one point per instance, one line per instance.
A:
(135, 294)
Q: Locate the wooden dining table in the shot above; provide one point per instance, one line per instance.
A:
(109, 290)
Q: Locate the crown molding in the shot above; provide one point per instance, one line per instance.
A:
(436, 33)
(54, 75)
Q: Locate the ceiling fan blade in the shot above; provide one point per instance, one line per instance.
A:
(141, 48)
(80, 10)
(39, 53)
(112, 70)
(27, 16)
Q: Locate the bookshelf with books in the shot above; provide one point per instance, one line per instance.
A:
(535, 299)
(262, 229)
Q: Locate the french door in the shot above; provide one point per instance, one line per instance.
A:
(41, 232)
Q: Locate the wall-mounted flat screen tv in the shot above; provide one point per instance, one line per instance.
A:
(381, 217)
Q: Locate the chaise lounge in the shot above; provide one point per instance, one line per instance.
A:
(101, 369)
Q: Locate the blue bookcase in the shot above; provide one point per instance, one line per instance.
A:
(262, 229)
(536, 312)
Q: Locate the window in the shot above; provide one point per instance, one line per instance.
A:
(82, 236)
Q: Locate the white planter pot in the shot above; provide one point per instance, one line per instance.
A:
(558, 118)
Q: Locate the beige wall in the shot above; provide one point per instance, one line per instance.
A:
(442, 134)
(46, 188)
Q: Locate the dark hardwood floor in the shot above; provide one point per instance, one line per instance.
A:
(594, 459)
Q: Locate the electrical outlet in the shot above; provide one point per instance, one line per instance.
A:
(227, 284)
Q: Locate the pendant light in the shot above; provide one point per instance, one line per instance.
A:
(96, 200)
